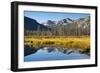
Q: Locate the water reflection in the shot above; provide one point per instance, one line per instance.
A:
(53, 53)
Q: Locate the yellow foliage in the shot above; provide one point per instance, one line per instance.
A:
(74, 43)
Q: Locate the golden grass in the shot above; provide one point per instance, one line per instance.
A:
(73, 43)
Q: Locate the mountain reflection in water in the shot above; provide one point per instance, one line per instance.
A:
(53, 53)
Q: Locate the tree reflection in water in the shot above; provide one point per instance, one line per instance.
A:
(30, 50)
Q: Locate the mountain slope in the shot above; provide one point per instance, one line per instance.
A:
(32, 24)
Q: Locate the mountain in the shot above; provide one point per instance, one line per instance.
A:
(60, 22)
(65, 21)
(49, 23)
(83, 22)
(32, 24)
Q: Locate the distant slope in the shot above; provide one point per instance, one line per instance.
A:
(32, 24)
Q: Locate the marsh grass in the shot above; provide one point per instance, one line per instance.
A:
(73, 43)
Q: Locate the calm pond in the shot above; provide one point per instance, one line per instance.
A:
(52, 53)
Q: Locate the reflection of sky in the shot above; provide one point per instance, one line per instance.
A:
(55, 16)
(42, 55)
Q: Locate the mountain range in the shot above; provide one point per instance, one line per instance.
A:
(60, 22)
(67, 23)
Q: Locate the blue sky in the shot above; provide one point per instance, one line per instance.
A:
(55, 16)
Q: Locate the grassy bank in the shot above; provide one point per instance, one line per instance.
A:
(73, 43)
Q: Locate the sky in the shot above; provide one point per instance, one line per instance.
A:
(54, 16)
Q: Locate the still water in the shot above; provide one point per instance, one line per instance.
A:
(51, 53)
